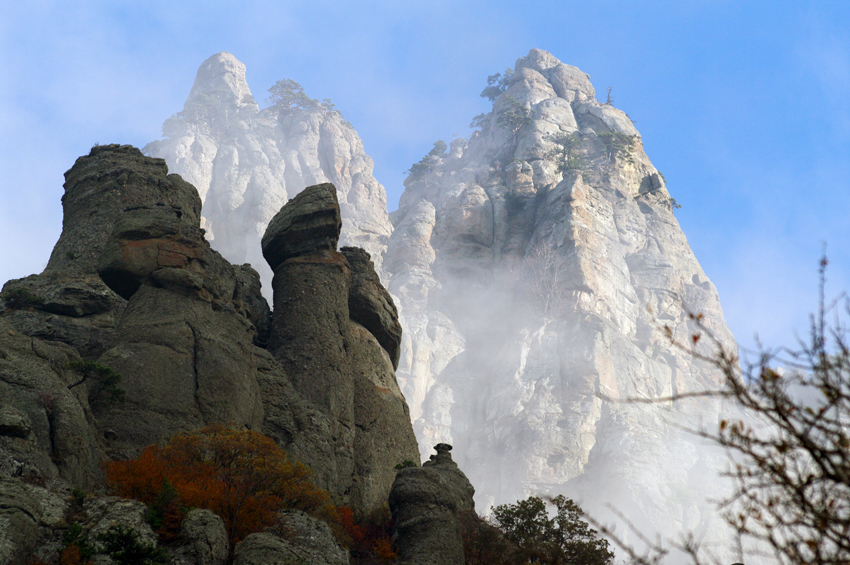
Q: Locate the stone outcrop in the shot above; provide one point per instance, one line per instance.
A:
(369, 303)
(46, 430)
(203, 540)
(183, 342)
(338, 359)
(19, 520)
(427, 504)
(310, 541)
(246, 163)
(533, 266)
(186, 331)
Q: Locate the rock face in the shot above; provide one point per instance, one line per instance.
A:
(46, 430)
(337, 358)
(133, 286)
(534, 265)
(426, 503)
(183, 345)
(203, 540)
(246, 163)
(189, 347)
(313, 543)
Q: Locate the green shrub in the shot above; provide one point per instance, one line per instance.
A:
(107, 378)
(19, 298)
(122, 545)
(619, 145)
(74, 536)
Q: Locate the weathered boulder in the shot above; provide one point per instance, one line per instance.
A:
(202, 540)
(426, 503)
(310, 224)
(269, 549)
(103, 513)
(308, 540)
(369, 303)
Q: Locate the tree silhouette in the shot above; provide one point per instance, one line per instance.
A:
(560, 540)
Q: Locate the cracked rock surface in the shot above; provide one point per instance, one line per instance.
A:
(534, 265)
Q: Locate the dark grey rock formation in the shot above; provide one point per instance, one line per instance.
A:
(331, 355)
(46, 430)
(426, 503)
(146, 297)
(183, 344)
(369, 303)
(308, 541)
(69, 302)
(19, 519)
(202, 541)
(311, 223)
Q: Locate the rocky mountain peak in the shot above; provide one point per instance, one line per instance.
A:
(567, 81)
(222, 77)
(534, 264)
(247, 163)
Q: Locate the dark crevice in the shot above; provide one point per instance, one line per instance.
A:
(195, 360)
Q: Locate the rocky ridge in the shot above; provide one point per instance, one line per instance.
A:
(135, 290)
(534, 265)
(246, 163)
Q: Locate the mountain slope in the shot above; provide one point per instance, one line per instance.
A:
(535, 265)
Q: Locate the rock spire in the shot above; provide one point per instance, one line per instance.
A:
(534, 264)
(246, 163)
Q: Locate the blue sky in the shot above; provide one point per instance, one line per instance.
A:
(742, 104)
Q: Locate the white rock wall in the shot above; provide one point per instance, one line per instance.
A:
(247, 163)
(526, 293)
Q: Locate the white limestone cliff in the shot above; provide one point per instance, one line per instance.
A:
(527, 294)
(247, 163)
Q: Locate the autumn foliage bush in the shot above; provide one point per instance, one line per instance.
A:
(369, 538)
(242, 476)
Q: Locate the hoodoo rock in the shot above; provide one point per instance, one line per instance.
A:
(311, 224)
(427, 503)
(339, 359)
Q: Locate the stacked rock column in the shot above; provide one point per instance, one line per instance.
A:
(310, 325)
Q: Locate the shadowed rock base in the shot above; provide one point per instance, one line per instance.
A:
(426, 502)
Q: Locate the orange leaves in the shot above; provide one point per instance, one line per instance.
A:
(384, 551)
(242, 476)
(140, 478)
(370, 538)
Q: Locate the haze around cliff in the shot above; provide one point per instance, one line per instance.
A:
(747, 121)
